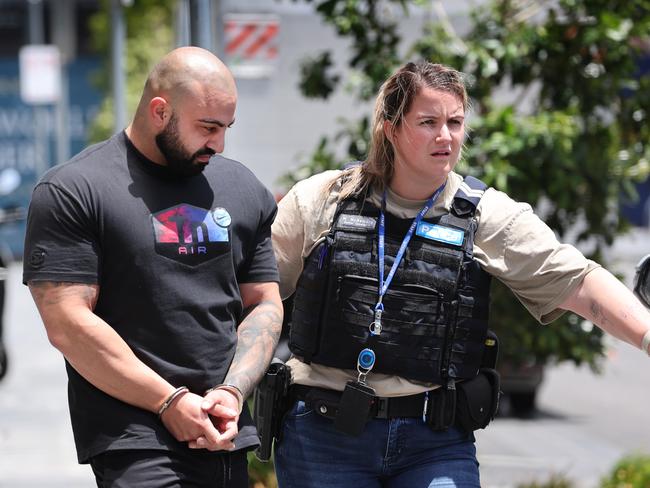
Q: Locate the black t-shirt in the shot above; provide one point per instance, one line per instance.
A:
(167, 253)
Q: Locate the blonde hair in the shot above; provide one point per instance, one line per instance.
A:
(393, 102)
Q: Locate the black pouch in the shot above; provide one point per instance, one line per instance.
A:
(441, 409)
(354, 408)
(477, 400)
(324, 402)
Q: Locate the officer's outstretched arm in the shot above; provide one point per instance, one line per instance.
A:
(608, 303)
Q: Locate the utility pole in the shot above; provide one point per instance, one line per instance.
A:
(36, 32)
(218, 35)
(182, 22)
(118, 35)
(204, 24)
(63, 27)
(36, 36)
(195, 24)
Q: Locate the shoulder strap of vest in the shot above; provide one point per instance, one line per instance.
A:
(351, 203)
(467, 196)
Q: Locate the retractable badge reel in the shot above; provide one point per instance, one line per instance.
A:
(357, 398)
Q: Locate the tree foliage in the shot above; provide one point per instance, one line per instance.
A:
(149, 36)
(559, 119)
(632, 471)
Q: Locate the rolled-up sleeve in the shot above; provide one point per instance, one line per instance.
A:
(304, 217)
(517, 247)
(288, 233)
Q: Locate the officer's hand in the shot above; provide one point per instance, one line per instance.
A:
(187, 421)
(223, 408)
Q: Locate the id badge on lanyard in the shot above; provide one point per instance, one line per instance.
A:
(375, 325)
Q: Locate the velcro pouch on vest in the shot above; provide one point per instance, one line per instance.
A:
(477, 400)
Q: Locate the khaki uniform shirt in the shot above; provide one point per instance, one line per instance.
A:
(511, 243)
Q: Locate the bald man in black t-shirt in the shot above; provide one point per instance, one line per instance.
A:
(149, 258)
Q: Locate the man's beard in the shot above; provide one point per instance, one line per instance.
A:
(179, 160)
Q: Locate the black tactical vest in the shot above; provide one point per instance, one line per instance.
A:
(435, 315)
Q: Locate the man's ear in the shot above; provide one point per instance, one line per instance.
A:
(159, 112)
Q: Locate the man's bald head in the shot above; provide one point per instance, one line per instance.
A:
(187, 104)
(188, 71)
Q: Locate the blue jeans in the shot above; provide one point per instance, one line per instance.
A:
(393, 453)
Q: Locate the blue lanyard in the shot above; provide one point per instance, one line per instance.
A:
(383, 285)
(366, 359)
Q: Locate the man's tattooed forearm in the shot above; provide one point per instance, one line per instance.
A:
(257, 336)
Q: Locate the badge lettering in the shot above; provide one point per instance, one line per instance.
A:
(440, 233)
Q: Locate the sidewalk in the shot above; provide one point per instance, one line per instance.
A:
(36, 445)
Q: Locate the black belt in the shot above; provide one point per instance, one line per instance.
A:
(325, 402)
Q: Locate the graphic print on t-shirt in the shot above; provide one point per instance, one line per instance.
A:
(191, 235)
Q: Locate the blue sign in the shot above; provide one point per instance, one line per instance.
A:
(28, 141)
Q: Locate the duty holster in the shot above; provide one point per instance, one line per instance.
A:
(271, 401)
(441, 408)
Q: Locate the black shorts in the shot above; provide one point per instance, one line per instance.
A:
(167, 469)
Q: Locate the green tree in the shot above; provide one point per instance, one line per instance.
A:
(571, 136)
(632, 471)
(149, 36)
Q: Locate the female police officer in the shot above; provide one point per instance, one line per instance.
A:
(390, 263)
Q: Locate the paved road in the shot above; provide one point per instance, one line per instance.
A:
(585, 422)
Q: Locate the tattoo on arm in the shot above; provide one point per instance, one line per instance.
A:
(51, 293)
(257, 336)
(599, 315)
(595, 310)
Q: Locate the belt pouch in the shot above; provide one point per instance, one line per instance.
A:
(324, 402)
(478, 400)
(354, 408)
